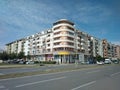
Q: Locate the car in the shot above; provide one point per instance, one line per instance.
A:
(107, 62)
(83, 62)
(30, 62)
(21, 62)
(116, 61)
(100, 63)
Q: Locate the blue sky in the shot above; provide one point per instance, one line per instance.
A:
(21, 18)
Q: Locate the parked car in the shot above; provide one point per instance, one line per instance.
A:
(115, 61)
(30, 62)
(21, 62)
(83, 62)
(100, 63)
(107, 61)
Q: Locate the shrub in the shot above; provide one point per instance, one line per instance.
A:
(36, 62)
(48, 62)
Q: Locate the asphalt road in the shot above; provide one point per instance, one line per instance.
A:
(41, 68)
(102, 78)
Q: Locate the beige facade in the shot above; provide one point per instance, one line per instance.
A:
(117, 52)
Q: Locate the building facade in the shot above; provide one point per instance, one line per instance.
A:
(64, 44)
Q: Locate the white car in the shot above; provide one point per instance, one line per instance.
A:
(100, 63)
(107, 62)
(30, 62)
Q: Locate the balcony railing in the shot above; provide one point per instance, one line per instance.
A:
(60, 35)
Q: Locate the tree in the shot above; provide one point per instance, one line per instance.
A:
(4, 56)
(28, 56)
(20, 55)
(99, 58)
(12, 56)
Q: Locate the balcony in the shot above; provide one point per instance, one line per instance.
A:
(59, 30)
(58, 46)
(58, 26)
(82, 48)
(62, 49)
(82, 39)
(63, 40)
(60, 35)
(82, 44)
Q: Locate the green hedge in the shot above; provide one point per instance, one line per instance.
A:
(36, 62)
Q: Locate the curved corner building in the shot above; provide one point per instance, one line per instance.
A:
(63, 41)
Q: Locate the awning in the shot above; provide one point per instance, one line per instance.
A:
(63, 53)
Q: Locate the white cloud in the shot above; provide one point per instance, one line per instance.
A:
(116, 42)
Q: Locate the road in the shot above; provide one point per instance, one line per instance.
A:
(102, 78)
(41, 68)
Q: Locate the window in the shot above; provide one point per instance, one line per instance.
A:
(57, 38)
(69, 43)
(56, 43)
(48, 35)
(38, 38)
(48, 45)
(70, 28)
(56, 33)
(48, 50)
(57, 28)
(38, 46)
(69, 38)
(48, 40)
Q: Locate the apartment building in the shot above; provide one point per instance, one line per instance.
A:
(15, 46)
(62, 43)
(117, 51)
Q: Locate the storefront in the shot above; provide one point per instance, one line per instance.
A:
(64, 57)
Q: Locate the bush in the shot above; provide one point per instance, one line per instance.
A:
(36, 62)
(48, 62)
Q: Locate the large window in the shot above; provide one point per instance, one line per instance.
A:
(57, 38)
(70, 28)
(57, 28)
(56, 33)
(70, 33)
(57, 43)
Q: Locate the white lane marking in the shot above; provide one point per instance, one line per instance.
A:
(83, 85)
(2, 86)
(94, 71)
(114, 74)
(27, 84)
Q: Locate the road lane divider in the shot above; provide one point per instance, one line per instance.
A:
(115, 74)
(43, 81)
(84, 85)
